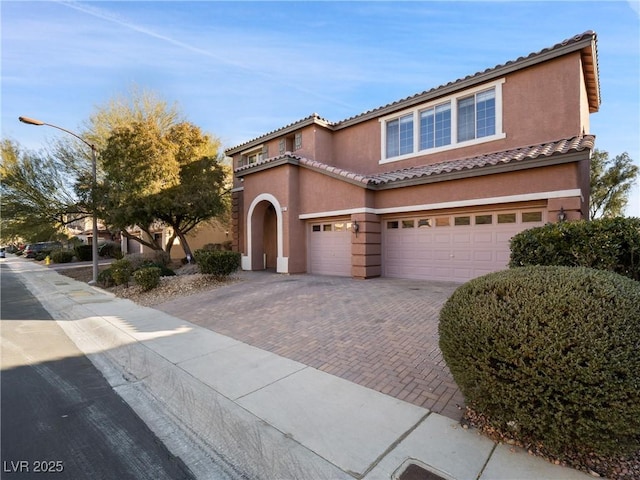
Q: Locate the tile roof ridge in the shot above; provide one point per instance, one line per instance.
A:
(569, 41)
(342, 172)
(313, 118)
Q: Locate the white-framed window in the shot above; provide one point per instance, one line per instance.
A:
(400, 136)
(254, 156)
(467, 118)
(435, 126)
(477, 115)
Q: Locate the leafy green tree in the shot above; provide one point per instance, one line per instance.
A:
(37, 198)
(174, 176)
(611, 182)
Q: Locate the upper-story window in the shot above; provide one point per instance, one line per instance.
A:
(435, 126)
(254, 156)
(477, 115)
(471, 117)
(400, 136)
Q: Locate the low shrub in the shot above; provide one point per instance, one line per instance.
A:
(62, 256)
(164, 270)
(121, 271)
(605, 244)
(147, 277)
(105, 278)
(220, 263)
(550, 355)
(83, 253)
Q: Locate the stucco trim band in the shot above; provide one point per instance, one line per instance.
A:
(576, 192)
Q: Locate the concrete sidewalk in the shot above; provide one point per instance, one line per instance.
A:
(212, 399)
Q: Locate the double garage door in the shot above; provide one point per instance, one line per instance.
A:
(448, 248)
(452, 248)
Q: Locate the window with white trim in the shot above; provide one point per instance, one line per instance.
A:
(477, 115)
(253, 156)
(471, 117)
(435, 126)
(400, 136)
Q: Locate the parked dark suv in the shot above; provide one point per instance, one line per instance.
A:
(30, 251)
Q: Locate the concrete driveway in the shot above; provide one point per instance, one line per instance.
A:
(380, 333)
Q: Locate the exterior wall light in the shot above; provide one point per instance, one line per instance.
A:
(355, 227)
(562, 216)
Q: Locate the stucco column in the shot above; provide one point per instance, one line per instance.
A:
(366, 246)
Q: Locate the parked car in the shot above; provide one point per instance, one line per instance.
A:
(33, 249)
(2, 253)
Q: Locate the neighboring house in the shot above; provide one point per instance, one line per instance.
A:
(82, 228)
(210, 232)
(432, 186)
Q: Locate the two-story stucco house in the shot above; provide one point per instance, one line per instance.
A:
(432, 186)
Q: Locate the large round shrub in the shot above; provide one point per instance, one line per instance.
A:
(550, 354)
(605, 244)
(148, 277)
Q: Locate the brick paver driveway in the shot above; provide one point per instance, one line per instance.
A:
(381, 333)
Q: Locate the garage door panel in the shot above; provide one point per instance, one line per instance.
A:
(483, 256)
(444, 237)
(504, 237)
(330, 251)
(462, 255)
(483, 237)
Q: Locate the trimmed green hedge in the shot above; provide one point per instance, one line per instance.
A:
(550, 354)
(62, 256)
(148, 277)
(220, 263)
(605, 244)
(84, 253)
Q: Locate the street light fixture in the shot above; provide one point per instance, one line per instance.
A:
(94, 243)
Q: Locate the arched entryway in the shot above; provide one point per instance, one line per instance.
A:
(264, 236)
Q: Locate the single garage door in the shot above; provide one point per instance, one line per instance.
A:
(452, 248)
(330, 248)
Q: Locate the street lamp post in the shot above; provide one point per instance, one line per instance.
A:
(94, 243)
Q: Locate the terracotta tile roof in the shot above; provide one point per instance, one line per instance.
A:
(585, 42)
(560, 147)
(303, 122)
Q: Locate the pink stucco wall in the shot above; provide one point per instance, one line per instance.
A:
(543, 103)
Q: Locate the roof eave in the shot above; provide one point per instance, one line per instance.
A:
(294, 127)
(505, 167)
(284, 160)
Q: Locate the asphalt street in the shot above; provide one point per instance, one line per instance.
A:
(60, 417)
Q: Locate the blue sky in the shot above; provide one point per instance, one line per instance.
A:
(240, 69)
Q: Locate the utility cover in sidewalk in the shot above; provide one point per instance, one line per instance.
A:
(416, 472)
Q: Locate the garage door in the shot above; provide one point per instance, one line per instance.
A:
(330, 248)
(452, 248)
